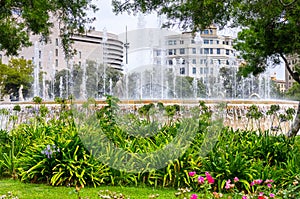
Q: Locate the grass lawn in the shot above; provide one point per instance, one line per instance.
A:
(41, 191)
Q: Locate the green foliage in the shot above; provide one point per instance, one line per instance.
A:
(18, 72)
(37, 100)
(94, 80)
(250, 156)
(59, 158)
(83, 148)
(294, 92)
(37, 18)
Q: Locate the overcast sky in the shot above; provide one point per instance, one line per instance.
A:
(105, 18)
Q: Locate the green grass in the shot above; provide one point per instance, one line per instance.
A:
(41, 191)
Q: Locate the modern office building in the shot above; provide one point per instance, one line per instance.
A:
(102, 47)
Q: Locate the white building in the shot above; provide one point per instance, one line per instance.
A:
(101, 47)
(191, 55)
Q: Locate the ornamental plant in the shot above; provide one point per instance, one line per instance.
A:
(203, 185)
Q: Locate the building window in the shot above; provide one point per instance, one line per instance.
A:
(170, 62)
(205, 32)
(206, 51)
(182, 51)
(211, 31)
(40, 54)
(194, 50)
(172, 51)
(194, 61)
(227, 52)
(206, 41)
(194, 70)
(158, 53)
(56, 41)
(181, 42)
(218, 51)
(201, 51)
(205, 70)
(40, 64)
(227, 62)
(211, 51)
(172, 42)
(227, 43)
(182, 71)
(193, 41)
(217, 41)
(56, 62)
(56, 52)
(211, 41)
(201, 70)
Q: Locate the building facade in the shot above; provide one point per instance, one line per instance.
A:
(200, 56)
(293, 61)
(186, 53)
(102, 47)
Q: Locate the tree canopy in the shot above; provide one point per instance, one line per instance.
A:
(18, 72)
(20, 18)
(270, 29)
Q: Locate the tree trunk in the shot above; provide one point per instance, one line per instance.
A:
(296, 124)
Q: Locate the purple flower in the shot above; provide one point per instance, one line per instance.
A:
(244, 197)
(194, 196)
(236, 179)
(272, 195)
(49, 150)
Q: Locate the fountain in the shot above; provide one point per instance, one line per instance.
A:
(36, 85)
(159, 80)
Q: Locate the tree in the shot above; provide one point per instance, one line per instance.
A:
(270, 29)
(20, 18)
(18, 72)
(94, 80)
(294, 92)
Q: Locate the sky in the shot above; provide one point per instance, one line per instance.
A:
(116, 24)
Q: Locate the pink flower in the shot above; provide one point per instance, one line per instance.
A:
(269, 185)
(200, 180)
(194, 196)
(236, 179)
(192, 173)
(261, 194)
(272, 195)
(244, 197)
(209, 178)
(256, 182)
(227, 185)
